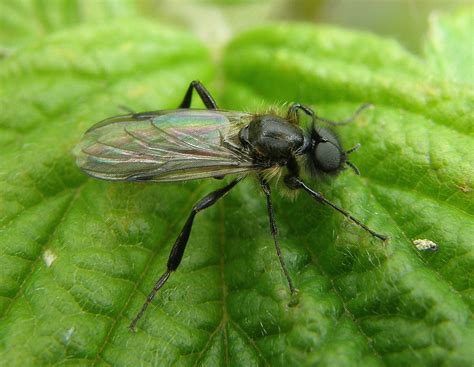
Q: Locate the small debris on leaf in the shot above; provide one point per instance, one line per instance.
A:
(425, 245)
(49, 257)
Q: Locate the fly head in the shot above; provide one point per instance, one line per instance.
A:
(326, 153)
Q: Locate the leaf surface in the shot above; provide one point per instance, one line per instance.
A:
(78, 256)
(394, 305)
(449, 47)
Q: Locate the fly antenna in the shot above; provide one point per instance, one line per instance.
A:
(354, 167)
(353, 149)
(349, 163)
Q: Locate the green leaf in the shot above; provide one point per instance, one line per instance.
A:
(449, 48)
(78, 256)
(23, 20)
(73, 249)
(393, 305)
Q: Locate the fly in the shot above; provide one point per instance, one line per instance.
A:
(187, 144)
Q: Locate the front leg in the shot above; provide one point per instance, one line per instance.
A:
(295, 183)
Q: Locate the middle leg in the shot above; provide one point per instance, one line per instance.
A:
(274, 231)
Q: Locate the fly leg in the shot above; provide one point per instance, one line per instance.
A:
(293, 110)
(295, 183)
(274, 231)
(202, 92)
(348, 120)
(292, 114)
(180, 245)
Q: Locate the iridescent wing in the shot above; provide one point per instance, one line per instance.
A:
(169, 145)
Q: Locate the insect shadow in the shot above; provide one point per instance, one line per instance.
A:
(187, 144)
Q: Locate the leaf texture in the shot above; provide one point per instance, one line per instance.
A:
(78, 256)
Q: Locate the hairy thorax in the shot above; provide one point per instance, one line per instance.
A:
(271, 139)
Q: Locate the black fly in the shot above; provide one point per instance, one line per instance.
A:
(186, 144)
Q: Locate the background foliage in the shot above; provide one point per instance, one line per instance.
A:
(78, 255)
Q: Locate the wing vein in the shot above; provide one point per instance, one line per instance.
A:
(180, 145)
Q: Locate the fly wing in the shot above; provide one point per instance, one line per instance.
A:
(173, 145)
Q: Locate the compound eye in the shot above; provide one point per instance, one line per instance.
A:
(328, 155)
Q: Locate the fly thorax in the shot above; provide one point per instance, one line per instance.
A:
(272, 138)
